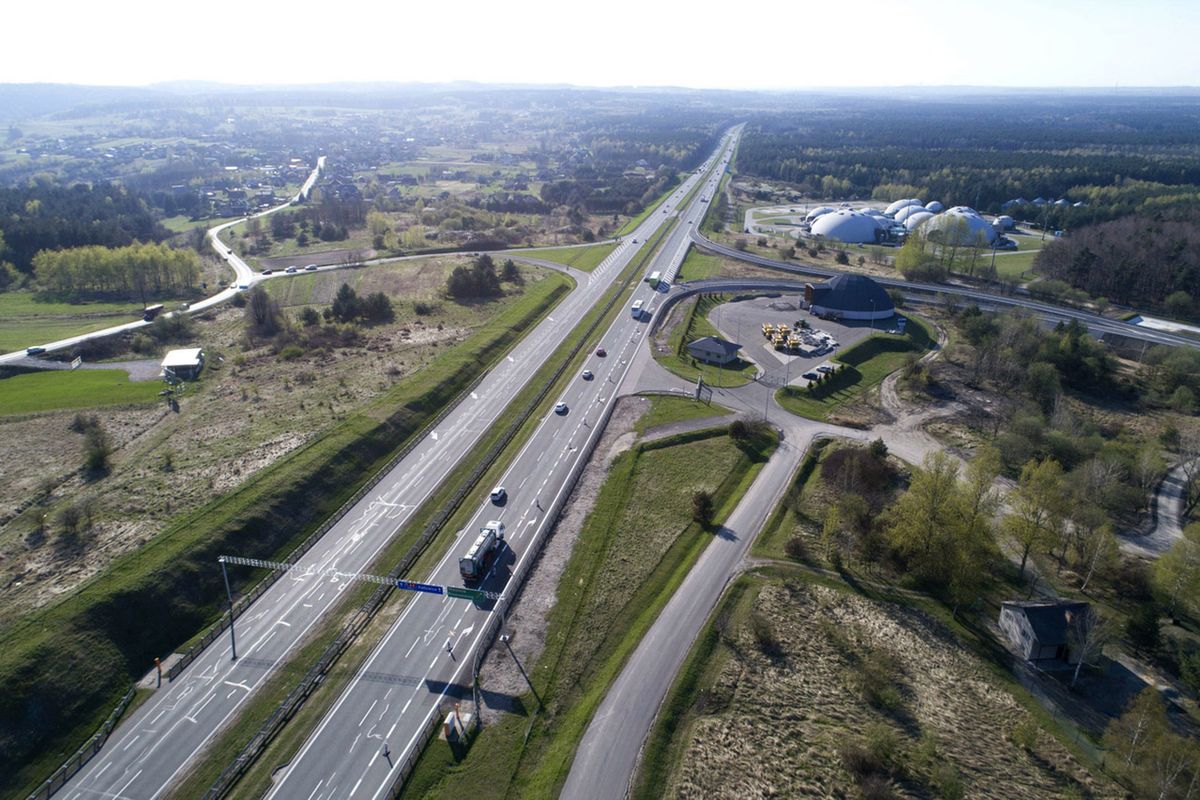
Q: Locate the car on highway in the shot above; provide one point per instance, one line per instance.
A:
(587, 375)
(499, 495)
(635, 241)
(267, 271)
(310, 267)
(560, 407)
(292, 270)
(600, 351)
(34, 351)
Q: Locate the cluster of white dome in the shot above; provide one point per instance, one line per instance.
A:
(960, 225)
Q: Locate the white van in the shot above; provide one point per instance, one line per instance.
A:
(637, 309)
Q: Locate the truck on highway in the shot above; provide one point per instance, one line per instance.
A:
(479, 557)
(150, 312)
(637, 309)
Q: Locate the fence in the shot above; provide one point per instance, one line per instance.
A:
(291, 704)
(84, 754)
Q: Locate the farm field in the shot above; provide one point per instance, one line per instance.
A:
(799, 689)
(85, 388)
(27, 321)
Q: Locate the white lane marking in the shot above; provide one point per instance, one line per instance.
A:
(356, 785)
(132, 742)
(414, 645)
(237, 685)
(317, 789)
(369, 710)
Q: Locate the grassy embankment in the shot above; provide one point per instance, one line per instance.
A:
(695, 325)
(867, 363)
(26, 321)
(64, 666)
(636, 546)
(581, 258)
(631, 225)
(665, 410)
(258, 778)
(85, 388)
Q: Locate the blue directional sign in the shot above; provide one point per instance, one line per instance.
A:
(413, 586)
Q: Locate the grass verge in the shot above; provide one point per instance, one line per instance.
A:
(636, 546)
(84, 388)
(62, 663)
(581, 258)
(867, 363)
(665, 410)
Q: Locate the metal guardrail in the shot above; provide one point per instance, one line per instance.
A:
(84, 754)
(291, 704)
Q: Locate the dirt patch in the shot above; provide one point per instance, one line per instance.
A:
(499, 676)
(778, 716)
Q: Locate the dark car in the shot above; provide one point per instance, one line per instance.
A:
(34, 351)
(600, 351)
(812, 376)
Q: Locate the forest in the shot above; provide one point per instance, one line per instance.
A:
(45, 217)
(1115, 155)
(1142, 259)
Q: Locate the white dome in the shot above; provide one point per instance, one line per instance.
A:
(899, 204)
(906, 212)
(963, 224)
(817, 212)
(935, 207)
(873, 212)
(1006, 222)
(916, 218)
(851, 227)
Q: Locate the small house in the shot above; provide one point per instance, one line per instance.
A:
(1040, 630)
(714, 350)
(184, 365)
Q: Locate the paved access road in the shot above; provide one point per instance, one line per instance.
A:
(157, 743)
(425, 659)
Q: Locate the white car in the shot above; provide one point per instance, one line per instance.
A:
(499, 495)
(560, 407)
(311, 267)
(292, 270)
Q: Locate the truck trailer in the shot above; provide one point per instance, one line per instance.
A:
(479, 557)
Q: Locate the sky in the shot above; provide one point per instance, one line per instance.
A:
(701, 44)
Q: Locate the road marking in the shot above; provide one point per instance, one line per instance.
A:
(414, 645)
(369, 710)
(132, 742)
(356, 785)
(317, 789)
(237, 685)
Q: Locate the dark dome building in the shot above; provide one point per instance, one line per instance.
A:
(849, 297)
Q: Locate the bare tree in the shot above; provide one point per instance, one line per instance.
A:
(1087, 634)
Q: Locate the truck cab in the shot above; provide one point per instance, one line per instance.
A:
(474, 565)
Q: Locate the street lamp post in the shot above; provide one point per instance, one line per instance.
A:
(229, 596)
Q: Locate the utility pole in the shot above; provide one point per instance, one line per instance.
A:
(505, 638)
(229, 596)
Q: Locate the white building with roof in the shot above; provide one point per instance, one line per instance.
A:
(184, 365)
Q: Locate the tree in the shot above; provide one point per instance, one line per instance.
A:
(1149, 757)
(1037, 508)
(377, 308)
(1142, 628)
(262, 313)
(922, 521)
(97, 447)
(346, 305)
(703, 508)
(510, 272)
(310, 317)
(1176, 574)
(1087, 634)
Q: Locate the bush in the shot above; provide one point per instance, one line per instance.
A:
(422, 308)
(309, 317)
(703, 508)
(842, 258)
(97, 447)
(764, 636)
(1025, 733)
(142, 344)
(1142, 628)
(291, 352)
(794, 548)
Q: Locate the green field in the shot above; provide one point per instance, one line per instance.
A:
(26, 321)
(1015, 265)
(698, 266)
(83, 388)
(867, 363)
(637, 544)
(581, 258)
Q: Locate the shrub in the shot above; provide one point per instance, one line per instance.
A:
(794, 548)
(97, 447)
(842, 258)
(309, 317)
(764, 636)
(1025, 733)
(291, 352)
(422, 308)
(703, 508)
(1142, 628)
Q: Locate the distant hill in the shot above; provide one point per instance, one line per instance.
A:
(20, 101)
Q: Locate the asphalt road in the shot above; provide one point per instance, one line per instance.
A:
(158, 742)
(425, 659)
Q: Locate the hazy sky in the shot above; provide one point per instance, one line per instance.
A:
(612, 42)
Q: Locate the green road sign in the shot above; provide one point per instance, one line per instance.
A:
(474, 595)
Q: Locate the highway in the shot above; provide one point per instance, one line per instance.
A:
(244, 277)
(425, 659)
(156, 745)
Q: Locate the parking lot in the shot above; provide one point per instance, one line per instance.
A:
(742, 322)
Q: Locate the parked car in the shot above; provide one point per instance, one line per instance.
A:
(812, 376)
(824, 368)
(560, 407)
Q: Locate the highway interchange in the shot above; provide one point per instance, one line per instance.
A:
(424, 660)
(156, 745)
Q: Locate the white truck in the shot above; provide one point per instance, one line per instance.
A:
(475, 563)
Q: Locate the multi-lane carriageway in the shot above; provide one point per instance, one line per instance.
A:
(412, 668)
(428, 653)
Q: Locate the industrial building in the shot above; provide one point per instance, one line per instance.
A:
(849, 297)
(714, 350)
